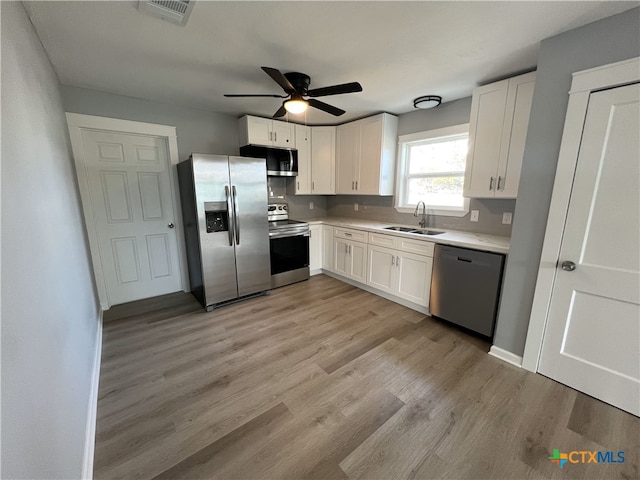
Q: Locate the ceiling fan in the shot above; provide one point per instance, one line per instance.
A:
(296, 87)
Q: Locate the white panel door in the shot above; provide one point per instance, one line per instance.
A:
(131, 203)
(592, 338)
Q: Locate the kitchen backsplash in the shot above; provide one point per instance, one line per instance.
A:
(298, 204)
(381, 209)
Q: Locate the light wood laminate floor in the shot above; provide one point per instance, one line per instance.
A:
(324, 380)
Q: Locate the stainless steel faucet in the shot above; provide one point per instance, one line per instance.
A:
(423, 221)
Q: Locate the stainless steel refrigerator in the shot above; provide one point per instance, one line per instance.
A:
(224, 209)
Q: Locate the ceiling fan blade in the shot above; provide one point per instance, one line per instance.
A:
(335, 89)
(280, 79)
(280, 113)
(325, 107)
(254, 95)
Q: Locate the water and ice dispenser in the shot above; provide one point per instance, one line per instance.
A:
(217, 217)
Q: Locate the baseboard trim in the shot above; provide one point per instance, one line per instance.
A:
(92, 409)
(505, 356)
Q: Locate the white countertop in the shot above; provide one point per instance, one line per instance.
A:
(478, 241)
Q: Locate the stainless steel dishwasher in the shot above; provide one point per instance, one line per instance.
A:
(465, 287)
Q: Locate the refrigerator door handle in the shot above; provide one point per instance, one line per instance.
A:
(227, 196)
(236, 212)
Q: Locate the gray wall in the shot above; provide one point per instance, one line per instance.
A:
(49, 308)
(381, 208)
(197, 130)
(606, 41)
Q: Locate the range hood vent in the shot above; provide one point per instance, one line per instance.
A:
(176, 11)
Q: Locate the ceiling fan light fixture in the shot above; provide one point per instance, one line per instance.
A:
(296, 105)
(428, 101)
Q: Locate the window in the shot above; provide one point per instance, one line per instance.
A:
(431, 169)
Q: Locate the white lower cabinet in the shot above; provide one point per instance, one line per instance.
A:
(350, 259)
(400, 273)
(315, 248)
(414, 277)
(327, 248)
(382, 269)
(398, 266)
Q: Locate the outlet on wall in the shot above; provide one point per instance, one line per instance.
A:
(355, 207)
(506, 218)
(475, 214)
(310, 205)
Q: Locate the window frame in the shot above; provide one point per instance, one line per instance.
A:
(404, 141)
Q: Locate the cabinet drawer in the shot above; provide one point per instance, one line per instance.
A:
(382, 240)
(415, 246)
(349, 234)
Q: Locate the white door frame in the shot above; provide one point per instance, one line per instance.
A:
(77, 123)
(584, 82)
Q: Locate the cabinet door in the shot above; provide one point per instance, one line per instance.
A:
(368, 177)
(283, 134)
(381, 269)
(485, 135)
(414, 277)
(303, 144)
(315, 247)
(259, 131)
(327, 248)
(341, 257)
(323, 160)
(358, 261)
(347, 158)
(519, 99)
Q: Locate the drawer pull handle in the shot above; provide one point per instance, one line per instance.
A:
(462, 259)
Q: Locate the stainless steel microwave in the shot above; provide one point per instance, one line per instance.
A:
(281, 162)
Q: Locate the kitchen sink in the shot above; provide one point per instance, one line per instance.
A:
(413, 230)
(401, 229)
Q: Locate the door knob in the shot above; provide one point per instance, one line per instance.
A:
(568, 266)
(170, 225)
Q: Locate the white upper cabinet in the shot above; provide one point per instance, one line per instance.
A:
(323, 160)
(316, 160)
(267, 132)
(347, 157)
(366, 155)
(302, 182)
(498, 129)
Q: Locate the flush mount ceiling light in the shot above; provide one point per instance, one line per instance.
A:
(428, 101)
(296, 105)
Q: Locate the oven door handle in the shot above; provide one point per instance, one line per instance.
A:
(288, 234)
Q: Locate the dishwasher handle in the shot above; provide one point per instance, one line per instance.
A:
(463, 259)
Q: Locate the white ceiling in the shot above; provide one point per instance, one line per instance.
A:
(397, 50)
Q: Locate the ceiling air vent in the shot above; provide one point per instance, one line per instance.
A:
(176, 11)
